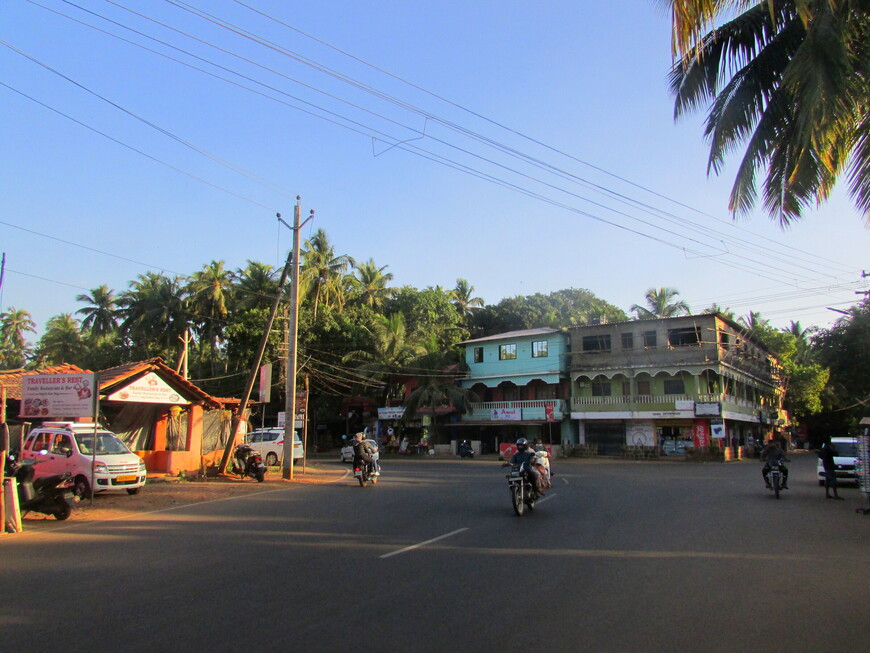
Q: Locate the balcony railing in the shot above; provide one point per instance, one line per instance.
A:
(532, 409)
(642, 400)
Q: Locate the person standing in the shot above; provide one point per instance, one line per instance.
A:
(827, 453)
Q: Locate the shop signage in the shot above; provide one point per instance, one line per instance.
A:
(549, 413)
(717, 429)
(57, 395)
(149, 389)
(391, 412)
(506, 414)
(708, 409)
(701, 433)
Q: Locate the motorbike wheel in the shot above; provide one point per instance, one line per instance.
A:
(63, 510)
(260, 475)
(517, 497)
(776, 487)
(530, 501)
(362, 480)
(81, 488)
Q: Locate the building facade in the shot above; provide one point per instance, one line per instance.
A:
(520, 386)
(671, 383)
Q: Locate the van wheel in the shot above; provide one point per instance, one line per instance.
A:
(82, 489)
(133, 490)
(271, 460)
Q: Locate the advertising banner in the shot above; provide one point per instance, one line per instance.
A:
(265, 392)
(149, 389)
(506, 414)
(391, 412)
(701, 433)
(717, 429)
(550, 413)
(57, 395)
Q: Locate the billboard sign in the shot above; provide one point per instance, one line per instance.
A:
(57, 395)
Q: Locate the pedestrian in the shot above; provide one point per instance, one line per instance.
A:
(827, 454)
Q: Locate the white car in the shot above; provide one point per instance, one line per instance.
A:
(60, 447)
(346, 455)
(269, 443)
(845, 460)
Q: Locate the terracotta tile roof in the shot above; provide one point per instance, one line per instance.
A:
(11, 379)
(115, 376)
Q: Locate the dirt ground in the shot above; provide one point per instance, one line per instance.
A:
(168, 492)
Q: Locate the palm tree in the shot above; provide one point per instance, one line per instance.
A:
(14, 348)
(753, 322)
(388, 356)
(255, 286)
(323, 273)
(210, 290)
(154, 314)
(370, 282)
(100, 317)
(789, 80)
(464, 300)
(62, 341)
(803, 346)
(661, 304)
(725, 312)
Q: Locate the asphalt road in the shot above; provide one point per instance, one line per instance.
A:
(620, 556)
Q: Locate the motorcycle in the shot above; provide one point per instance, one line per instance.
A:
(247, 462)
(465, 449)
(774, 477)
(522, 491)
(51, 495)
(365, 472)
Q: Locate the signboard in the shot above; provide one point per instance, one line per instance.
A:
(717, 429)
(708, 409)
(701, 433)
(391, 412)
(57, 395)
(506, 414)
(549, 413)
(149, 389)
(265, 392)
(507, 449)
(282, 419)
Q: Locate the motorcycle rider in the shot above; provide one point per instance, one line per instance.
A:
(364, 452)
(526, 454)
(771, 453)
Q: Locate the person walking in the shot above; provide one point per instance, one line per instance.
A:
(827, 454)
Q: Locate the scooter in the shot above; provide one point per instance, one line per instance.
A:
(51, 495)
(465, 449)
(247, 462)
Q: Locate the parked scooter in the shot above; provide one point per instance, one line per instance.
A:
(51, 495)
(465, 449)
(247, 462)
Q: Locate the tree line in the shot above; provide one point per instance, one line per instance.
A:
(358, 334)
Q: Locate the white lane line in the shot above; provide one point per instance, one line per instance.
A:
(549, 496)
(419, 544)
(564, 480)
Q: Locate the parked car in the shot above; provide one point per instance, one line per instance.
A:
(845, 460)
(269, 443)
(60, 447)
(346, 455)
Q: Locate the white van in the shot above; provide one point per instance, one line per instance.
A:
(845, 460)
(61, 447)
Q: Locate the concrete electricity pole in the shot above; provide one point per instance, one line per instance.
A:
(290, 399)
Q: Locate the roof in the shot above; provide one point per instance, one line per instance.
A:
(115, 376)
(10, 380)
(541, 331)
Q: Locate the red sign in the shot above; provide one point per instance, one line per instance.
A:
(549, 413)
(508, 449)
(701, 433)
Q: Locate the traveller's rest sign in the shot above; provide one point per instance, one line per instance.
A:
(149, 389)
(57, 395)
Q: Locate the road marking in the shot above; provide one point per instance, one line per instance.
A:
(419, 544)
(549, 496)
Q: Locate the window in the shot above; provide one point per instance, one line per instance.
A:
(628, 341)
(545, 392)
(539, 349)
(62, 445)
(649, 339)
(725, 340)
(626, 388)
(478, 354)
(674, 387)
(42, 441)
(601, 389)
(643, 388)
(687, 337)
(596, 344)
(507, 352)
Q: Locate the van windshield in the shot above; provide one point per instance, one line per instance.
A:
(107, 443)
(845, 449)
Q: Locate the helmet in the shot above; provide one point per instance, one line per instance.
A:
(522, 444)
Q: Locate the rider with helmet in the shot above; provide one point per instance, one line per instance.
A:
(525, 454)
(363, 451)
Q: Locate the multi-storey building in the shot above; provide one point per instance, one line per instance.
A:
(519, 380)
(671, 383)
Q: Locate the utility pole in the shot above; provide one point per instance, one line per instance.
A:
(290, 388)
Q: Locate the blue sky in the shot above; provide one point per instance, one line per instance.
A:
(526, 147)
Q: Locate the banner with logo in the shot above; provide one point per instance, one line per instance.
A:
(701, 433)
(506, 414)
(149, 389)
